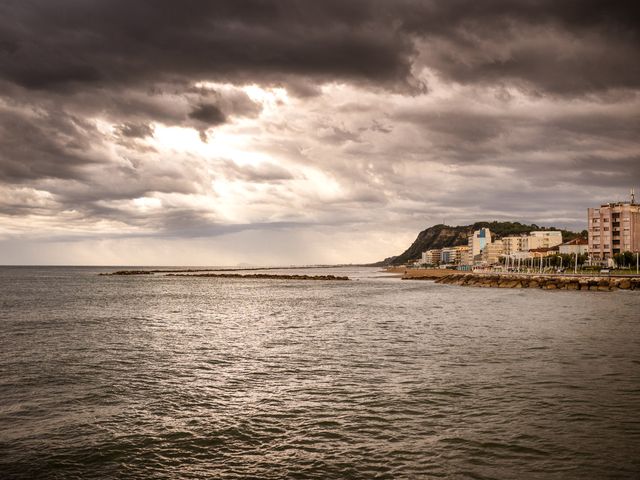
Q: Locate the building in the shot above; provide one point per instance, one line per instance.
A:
(454, 255)
(578, 246)
(492, 252)
(431, 257)
(477, 242)
(544, 252)
(541, 239)
(513, 244)
(614, 228)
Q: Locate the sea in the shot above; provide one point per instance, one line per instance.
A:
(158, 377)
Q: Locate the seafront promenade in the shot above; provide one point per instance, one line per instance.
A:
(543, 281)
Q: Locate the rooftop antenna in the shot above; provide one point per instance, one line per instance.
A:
(633, 197)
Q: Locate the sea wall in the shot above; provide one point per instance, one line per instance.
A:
(546, 282)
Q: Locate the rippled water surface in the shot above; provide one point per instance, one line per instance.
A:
(165, 377)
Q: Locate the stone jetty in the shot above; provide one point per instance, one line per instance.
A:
(545, 282)
(262, 276)
(273, 276)
(128, 272)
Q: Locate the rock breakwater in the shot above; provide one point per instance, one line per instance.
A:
(129, 272)
(173, 273)
(262, 276)
(545, 282)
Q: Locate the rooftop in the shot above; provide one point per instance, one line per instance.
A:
(577, 241)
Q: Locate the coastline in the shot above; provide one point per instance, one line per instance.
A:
(422, 273)
(544, 282)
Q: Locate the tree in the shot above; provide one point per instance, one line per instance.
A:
(624, 259)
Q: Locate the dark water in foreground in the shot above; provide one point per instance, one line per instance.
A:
(160, 377)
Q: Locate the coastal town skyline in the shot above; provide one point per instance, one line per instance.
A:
(278, 133)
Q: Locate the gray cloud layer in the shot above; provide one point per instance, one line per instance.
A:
(397, 111)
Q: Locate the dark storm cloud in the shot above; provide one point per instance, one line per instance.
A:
(133, 130)
(208, 114)
(581, 46)
(69, 45)
(39, 144)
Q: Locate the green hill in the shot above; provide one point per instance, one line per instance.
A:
(440, 236)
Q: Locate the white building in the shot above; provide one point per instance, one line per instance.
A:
(541, 239)
(577, 245)
(477, 242)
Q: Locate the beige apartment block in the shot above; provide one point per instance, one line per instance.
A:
(613, 228)
(454, 255)
(431, 257)
(492, 252)
(542, 239)
(513, 244)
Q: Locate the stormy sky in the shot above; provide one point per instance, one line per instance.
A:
(281, 132)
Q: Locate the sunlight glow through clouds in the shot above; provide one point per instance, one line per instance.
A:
(220, 145)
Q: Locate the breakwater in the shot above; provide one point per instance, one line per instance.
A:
(546, 282)
(261, 276)
(270, 276)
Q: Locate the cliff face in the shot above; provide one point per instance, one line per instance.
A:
(438, 236)
(441, 236)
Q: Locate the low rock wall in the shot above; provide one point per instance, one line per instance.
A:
(546, 282)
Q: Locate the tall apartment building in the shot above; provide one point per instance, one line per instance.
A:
(614, 228)
(480, 239)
